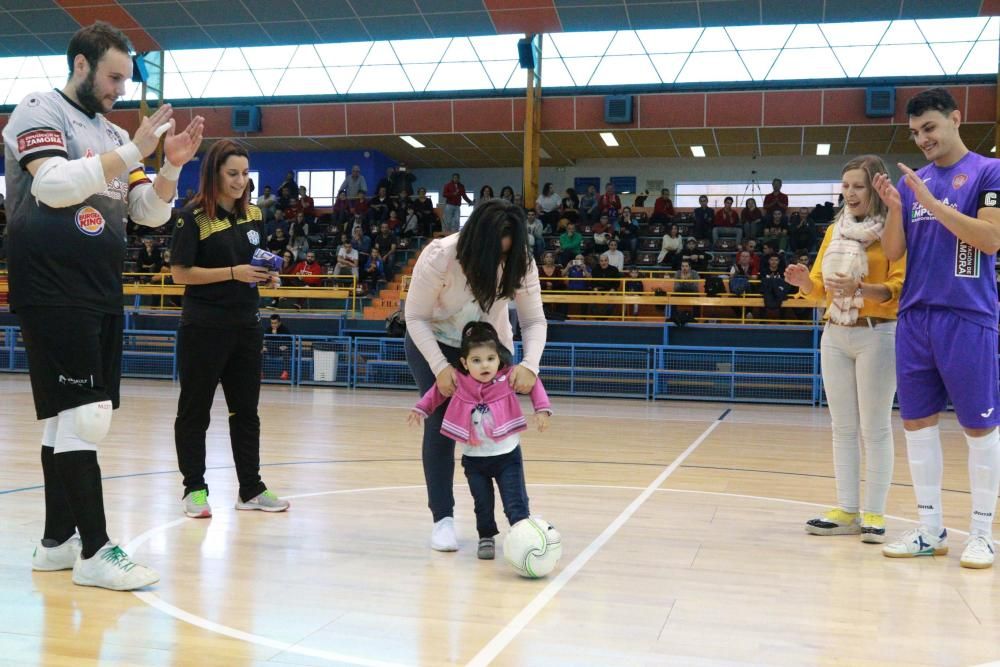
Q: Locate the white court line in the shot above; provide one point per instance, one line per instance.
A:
(496, 645)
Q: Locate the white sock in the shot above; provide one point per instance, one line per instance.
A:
(984, 480)
(923, 450)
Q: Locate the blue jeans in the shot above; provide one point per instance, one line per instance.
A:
(438, 450)
(452, 218)
(508, 470)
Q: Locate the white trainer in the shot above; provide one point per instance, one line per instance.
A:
(62, 557)
(265, 502)
(917, 542)
(111, 568)
(978, 553)
(443, 535)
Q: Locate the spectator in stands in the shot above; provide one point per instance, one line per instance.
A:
(606, 279)
(750, 218)
(704, 218)
(359, 206)
(589, 209)
(536, 234)
(401, 182)
(507, 193)
(570, 206)
(308, 271)
(288, 262)
(640, 200)
(289, 184)
(299, 225)
(576, 272)
(547, 205)
(776, 231)
(775, 200)
(805, 260)
(751, 247)
(379, 205)
(550, 274)
(347, 260)
(386, 243)
(485, 192)
(610, 204)
(341, 209)
(354, 183)
(519, 201)
(278, 242)
(634, 286)
(773, 288)
(277, 346)
(149, 260)
(614, 256)
(771, 249)
(424, 208)
(726, 222)
(686, 280)
(628, 232)
(670, 250)
(663, 207)
(361, 243)
(394, 222)
(411, 223)
(741, 274)
(266, 203)
(298, 244)
(386, 181)
(454, 193)
(801, 234)
(602, 234)
(696, 259)
(307, 204)
(570, 244)
(373, 272)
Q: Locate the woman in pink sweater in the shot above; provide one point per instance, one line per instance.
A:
(468, 277)
(485, 416)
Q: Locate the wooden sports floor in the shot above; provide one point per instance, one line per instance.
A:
(682, 533)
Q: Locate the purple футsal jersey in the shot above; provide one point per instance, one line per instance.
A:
(941, 270)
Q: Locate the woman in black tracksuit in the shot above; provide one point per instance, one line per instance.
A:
(220, 336)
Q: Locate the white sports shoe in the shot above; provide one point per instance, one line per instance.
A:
(62, 557)
(978, 553)
(443, 535)
(917, 542)
(266, 502)
(111, 568)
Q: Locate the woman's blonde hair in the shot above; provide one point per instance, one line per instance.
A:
(870, 165)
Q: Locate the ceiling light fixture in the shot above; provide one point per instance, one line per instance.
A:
(609, 139)
(822, 149)
(698, 151)
(413, 142)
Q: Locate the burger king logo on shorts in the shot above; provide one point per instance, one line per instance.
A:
(89, 221)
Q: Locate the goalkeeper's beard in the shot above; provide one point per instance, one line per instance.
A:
(86, 96)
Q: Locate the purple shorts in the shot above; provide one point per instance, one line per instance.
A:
(941, 356)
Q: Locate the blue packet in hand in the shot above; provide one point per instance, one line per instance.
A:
(268, 260)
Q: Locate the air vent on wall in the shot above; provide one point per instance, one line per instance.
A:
(880, 102)
(618, 109)
(246, 119)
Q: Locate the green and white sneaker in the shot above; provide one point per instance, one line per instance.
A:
(978, 553)
(62, 557)
(111, 568)
(872, 528)
(917, 542)
(834, 522)
(266, 502)
(196, 505)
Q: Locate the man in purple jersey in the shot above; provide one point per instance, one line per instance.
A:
(944, 217)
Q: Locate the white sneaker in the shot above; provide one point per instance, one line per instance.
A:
(917, 542)
(62, 557)
(443, 535)
(978, 553)
(111, 568)
(265, 502)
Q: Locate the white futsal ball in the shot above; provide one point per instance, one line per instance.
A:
(532, 547)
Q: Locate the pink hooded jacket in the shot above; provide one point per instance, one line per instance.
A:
(497, 395)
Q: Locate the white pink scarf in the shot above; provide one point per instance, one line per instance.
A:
(846, 254)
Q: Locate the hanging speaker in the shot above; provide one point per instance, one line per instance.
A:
(525, 54)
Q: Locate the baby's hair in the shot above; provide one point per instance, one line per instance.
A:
(475, 334)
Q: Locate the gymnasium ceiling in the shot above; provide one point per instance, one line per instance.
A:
(43, 27)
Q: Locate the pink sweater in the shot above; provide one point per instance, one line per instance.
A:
(497, 395)
(439, 290)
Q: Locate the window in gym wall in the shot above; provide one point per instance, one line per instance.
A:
(321, 185)
(800, 193)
